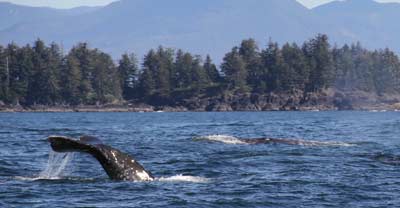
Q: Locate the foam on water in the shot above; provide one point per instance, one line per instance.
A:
(221, 138)
(182, 178)
(377, 111)
(56, 165)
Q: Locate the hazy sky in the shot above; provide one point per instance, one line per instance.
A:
(75, 3)
(313, 3)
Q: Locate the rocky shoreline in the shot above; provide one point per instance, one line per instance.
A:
(94, 109)
(55, 109)
(322, 101)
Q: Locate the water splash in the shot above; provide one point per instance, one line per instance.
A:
(56, 165)
(221, 138)
(182, 178)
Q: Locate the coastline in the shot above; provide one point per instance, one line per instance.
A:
(153, 109)
(245, 102)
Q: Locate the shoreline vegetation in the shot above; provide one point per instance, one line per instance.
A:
(145, 108)
(312, 77)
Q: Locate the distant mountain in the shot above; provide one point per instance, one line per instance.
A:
(373, 24)
(11, 14)
(207, 26)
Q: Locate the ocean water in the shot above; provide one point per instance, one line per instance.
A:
(199, 160)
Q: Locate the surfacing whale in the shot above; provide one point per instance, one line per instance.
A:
(283, 141)
(388, 159)
(252, 141)
(118, 165)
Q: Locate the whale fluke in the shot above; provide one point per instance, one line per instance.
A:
(118, 165)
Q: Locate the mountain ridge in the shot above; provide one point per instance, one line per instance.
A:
(203, 27)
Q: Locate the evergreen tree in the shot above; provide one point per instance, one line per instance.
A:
(344, 69)
(199, 75)
(273, 61)
(182, 70)
(297, 73)
(320, 62)
(251, 56)
(105, 82)
(43, 86)
(71, 79)
(4, 76)
(20, 75)
(84, 56)
(164, 65)
(211, 70)
(387, 65)
(128, 70)
(43, 75)
(234, 69)
(146, 78)
(11, 66)
(362, 74)
(53, 72)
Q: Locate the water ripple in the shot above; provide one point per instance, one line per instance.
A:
(199, 163)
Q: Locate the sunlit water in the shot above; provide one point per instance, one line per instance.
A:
(199, 161)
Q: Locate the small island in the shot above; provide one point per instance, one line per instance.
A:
(308, 77)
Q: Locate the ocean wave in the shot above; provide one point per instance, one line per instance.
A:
(172, 179)
(182, 178)
(36, 178)
(221, 138)
(44, 130)
(54, 178)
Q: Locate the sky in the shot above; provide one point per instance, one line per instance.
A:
(314, 3)
(76, 3)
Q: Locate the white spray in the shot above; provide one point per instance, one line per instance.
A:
(56, 165)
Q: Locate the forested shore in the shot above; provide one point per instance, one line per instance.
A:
(311, 76)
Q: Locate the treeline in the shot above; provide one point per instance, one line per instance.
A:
(42, 74)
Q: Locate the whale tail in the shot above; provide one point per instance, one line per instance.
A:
(65, 144)
(118, 165)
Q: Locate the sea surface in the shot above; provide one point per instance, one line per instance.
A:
(199, 160)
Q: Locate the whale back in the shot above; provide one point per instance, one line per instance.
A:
(118, 165)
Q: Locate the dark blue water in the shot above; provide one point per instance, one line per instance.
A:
(361, 169)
